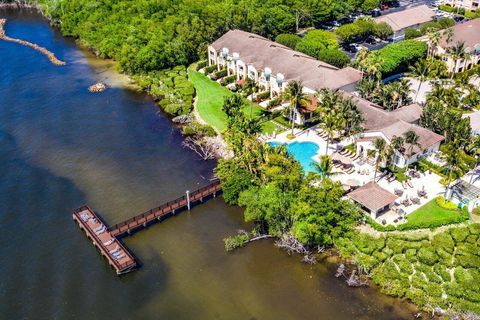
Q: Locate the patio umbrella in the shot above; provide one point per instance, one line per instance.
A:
(352, 182)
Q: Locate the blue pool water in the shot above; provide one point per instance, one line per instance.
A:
(303, 152)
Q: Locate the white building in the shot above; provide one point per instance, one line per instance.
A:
(273, 65)
(409, 18)
(467, 33)
(465, 4)
(379, 123)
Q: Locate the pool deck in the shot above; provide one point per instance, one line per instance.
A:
(364, 173)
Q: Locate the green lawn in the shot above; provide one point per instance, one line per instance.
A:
(210, 97)
(432, 215)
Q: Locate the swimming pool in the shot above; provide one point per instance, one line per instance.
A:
(303, 152)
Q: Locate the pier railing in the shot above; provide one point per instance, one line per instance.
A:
(165, 209)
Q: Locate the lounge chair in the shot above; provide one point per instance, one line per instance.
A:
(120, 256)
(109, 242)
(99, 232)
(409, 183)
(98, 228)
(117, 248)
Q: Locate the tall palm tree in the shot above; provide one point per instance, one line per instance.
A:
(448, 34)
(325, 167)
(421, 70)
(434, 37)
(396, 145)
(381, 151)
(452, 157)
(361, 55)
(328, 112)
(411, 138)
(457, 52)
(297, 99)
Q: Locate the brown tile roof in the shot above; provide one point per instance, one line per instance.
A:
(372, 196)
(395, 123)
(407, 18)
(262, 53)
(426, 138)
(467, 32)
(410, 113)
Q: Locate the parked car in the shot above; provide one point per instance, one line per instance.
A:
(376, 13)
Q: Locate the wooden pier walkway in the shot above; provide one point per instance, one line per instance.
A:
(107, 238)
(96, 230)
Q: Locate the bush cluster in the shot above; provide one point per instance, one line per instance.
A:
(396, 57)
(171, 87)
(420, 268)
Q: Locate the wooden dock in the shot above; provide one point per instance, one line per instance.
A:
(110, 247)
(106, 239)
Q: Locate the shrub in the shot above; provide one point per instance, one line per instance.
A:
(446, 8)
(398, 56)
(201, 64)
(229, 79)
(431, 25)
(411, 255)
(446, 204)
(427, 256)
(382, 30)
(290, 136)
(443, 272)
(474, 228)
(334, 57)
(316, 41)
(274, 102)
(411, 33)
(443, 241)
(263, 95)
(459, 234)
(220, 74)
(210, 69)
(288, 39)
(446, 22)
(404, 265)
(472, 14)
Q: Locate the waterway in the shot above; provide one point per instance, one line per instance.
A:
(61, 147)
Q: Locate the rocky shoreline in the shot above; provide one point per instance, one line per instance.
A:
(51, 56)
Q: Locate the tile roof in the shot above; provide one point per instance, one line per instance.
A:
(372, 196)
(395, 123)
(407, 18)
(262, 53)
(467, 32)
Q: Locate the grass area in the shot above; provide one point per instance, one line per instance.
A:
(432, 215)
(210, 97)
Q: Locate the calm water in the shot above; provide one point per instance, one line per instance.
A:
(303, 152)
(61, 147)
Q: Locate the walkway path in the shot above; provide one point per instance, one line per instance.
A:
(49, 54)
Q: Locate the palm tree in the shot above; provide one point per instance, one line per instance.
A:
(328, 111)
(351, 119)
(325, 167)
(452, 157)
(457, 52)
(422, 71)
(297, 99)
(448, 34)
(381, 151)
(396, 144)
(411, 138)
(361, 55)
(434, 37)
(372, 65)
